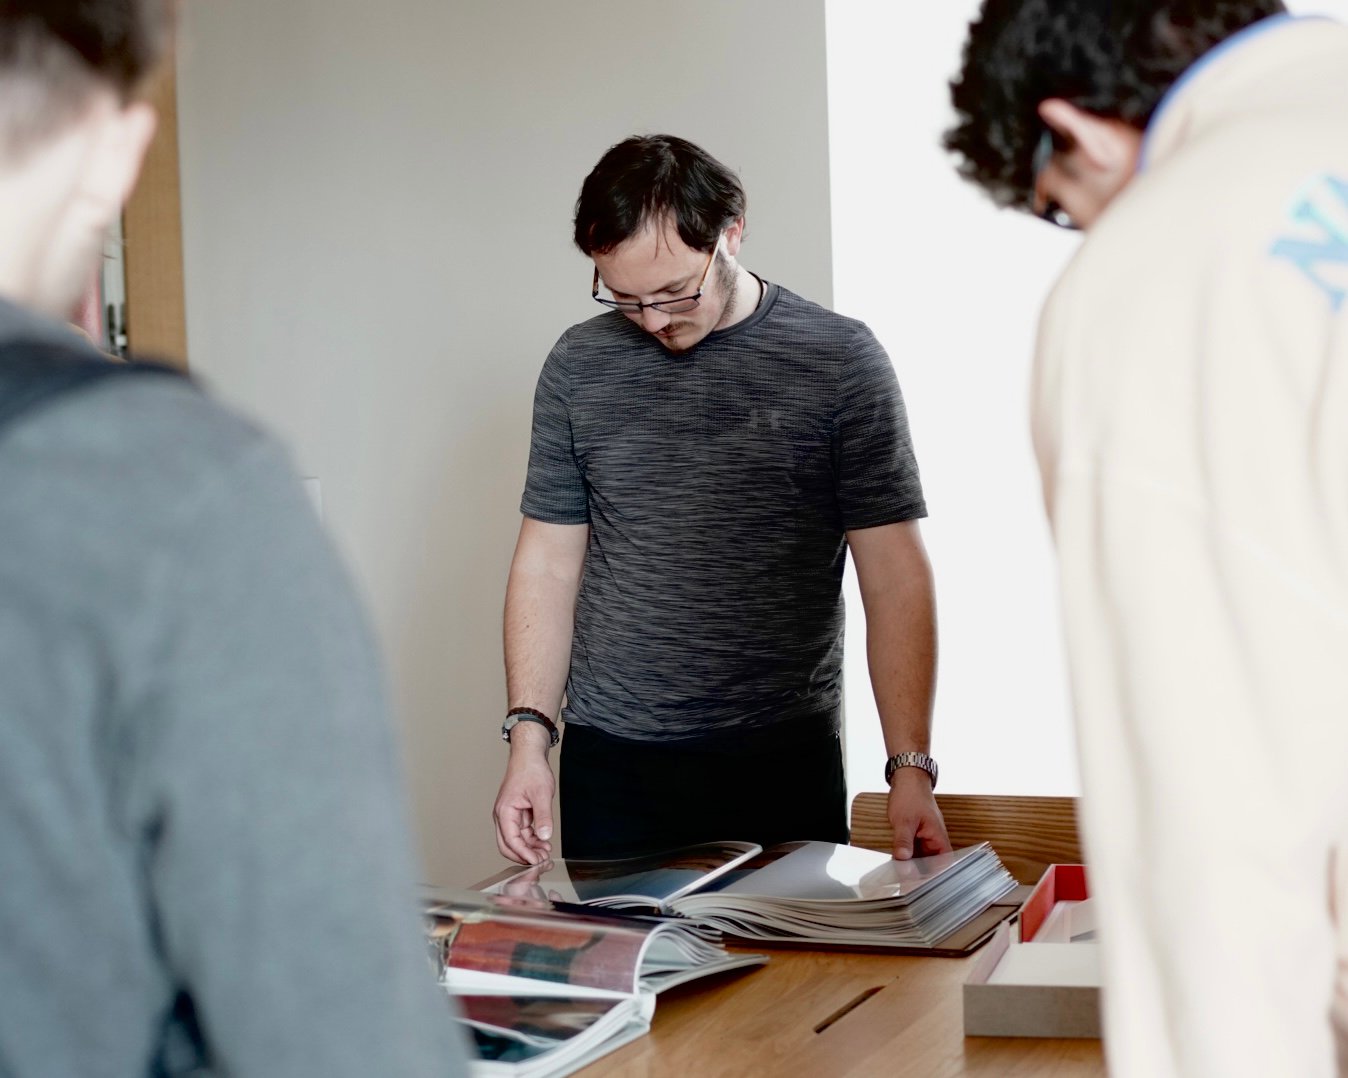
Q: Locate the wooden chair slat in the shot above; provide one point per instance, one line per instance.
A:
(1028, 833)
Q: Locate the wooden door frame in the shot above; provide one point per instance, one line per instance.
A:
(156, 309)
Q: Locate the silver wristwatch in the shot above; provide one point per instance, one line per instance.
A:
(911, 759)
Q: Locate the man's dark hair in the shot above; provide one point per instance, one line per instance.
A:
(55, 53)
(644, 178)
(1114, 58)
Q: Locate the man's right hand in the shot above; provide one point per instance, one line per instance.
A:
(523, 810)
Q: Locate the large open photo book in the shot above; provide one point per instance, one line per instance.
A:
(545, 988)
(822, 893)
(815, 894)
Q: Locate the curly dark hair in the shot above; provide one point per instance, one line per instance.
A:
(1115, 58)
(645, 177)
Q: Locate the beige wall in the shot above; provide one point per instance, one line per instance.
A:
(376, 205)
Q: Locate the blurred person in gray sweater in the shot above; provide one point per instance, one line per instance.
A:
(206, 865)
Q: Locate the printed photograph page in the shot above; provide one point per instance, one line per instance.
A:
(651, 881)
(540, 947)
(504, 950)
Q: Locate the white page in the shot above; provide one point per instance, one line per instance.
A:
(826, 871)
(473, 982)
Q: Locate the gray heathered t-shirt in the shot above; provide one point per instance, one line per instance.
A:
(717, 485)
(201, 821)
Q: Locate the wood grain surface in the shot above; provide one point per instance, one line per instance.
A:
(764, 1021)
(152, 224)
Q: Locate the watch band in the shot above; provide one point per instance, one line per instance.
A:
(517, 715)
(910, 759)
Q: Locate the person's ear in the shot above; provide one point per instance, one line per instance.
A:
(116, 157)
(734, 236)
(1102, 144)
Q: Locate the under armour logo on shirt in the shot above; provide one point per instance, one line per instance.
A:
(765, 418)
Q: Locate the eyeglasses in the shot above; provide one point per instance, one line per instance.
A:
(1052, 212)
(667, 306)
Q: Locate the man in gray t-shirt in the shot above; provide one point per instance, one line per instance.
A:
(703, 457)
(204, 856)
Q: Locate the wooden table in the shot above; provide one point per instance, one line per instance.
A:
(908, 1022)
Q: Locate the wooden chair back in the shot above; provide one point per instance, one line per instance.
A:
(1028, 833)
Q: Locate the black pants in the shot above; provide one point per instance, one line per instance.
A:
(622, 797)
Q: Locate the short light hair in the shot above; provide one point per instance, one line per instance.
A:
(55, 55)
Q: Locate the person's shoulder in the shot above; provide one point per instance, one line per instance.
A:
(153, 431)
(147, 476)
(608, 329)
(586, 352)
(173, 411)
(816, 325)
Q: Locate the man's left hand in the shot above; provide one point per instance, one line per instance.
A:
(919, 829)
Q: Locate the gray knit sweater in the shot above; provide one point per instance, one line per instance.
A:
(204, 864)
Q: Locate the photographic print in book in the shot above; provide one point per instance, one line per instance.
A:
(650, 881)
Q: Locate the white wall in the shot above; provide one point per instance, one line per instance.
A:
(377, 201)
(952, 288)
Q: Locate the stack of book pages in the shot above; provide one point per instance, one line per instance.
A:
(823, 893)
(801, 893)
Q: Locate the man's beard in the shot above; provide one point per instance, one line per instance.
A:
(726, 288)
(724, 285)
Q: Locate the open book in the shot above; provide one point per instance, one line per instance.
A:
(545, 989)
(823, 893)
(653, 882)
(801, 893)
